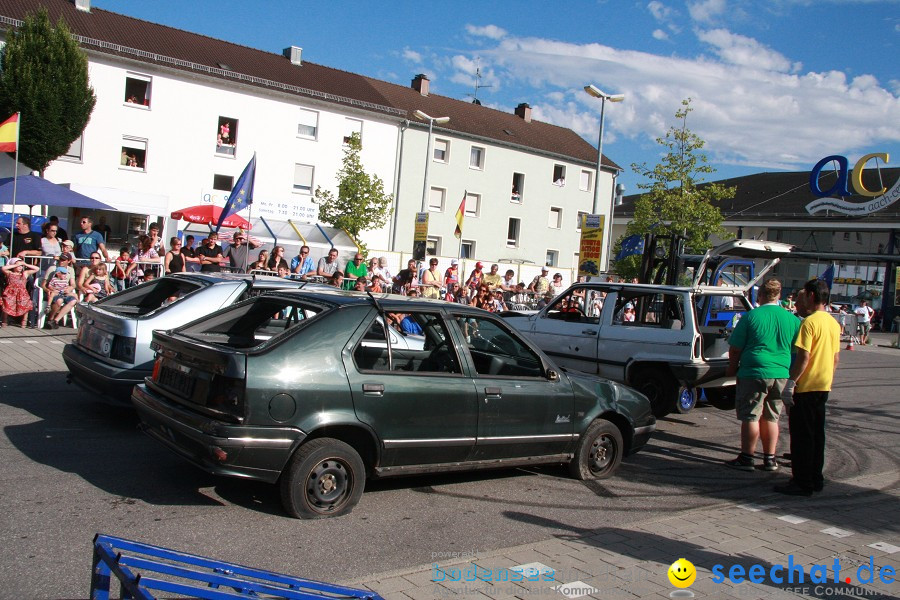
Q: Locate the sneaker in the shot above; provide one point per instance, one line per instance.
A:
(741, 463)
(54, 324)
(769, 464)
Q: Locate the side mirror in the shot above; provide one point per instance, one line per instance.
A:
(552, 375)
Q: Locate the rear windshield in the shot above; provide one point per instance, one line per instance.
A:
(147, 297)
(254, 322)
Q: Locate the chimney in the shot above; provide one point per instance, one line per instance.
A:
(294, 53)
(83, 5)
(524, 111)
(420, 84)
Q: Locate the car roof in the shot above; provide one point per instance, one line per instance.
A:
(674, 289)
(260, 281)
(354, 298)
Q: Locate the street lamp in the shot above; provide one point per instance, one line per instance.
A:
(431, 121)
(594, 91)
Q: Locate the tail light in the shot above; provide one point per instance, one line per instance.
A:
(123, 349)
(226, 394)
(156, 366)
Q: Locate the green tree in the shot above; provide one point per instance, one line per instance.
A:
(361, 203)
(675, 202)
(44, 75)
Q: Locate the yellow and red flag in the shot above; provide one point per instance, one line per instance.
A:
(9, 134)
(460, 213)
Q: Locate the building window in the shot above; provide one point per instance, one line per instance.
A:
(585, 184)
(303, 179)
(224, 183)
(555, 220)
(473, 205)
(552, 258)
(467, 249)
(137, 90)
(580, 220)
(442, 150)
(512, 234)
(433, 246)
(226, 136)
(436, 199)
(134, 153)
(352, 126)
(559, 175)
(476, 158)
(307, 124)
(518, 187)
(74, 151)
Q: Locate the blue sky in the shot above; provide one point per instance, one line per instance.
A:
(775, 84)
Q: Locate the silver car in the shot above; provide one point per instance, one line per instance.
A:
(112, 350)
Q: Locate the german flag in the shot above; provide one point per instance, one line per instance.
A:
(9, 134)
(460, 213)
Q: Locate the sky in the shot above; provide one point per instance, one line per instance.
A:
(774, 84)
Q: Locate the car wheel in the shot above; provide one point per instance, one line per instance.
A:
(721, 398)
(659, 387)
(687, 399)
(324, 478)
(599, 452)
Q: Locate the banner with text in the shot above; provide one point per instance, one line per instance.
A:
(591, 247)
(420, 236)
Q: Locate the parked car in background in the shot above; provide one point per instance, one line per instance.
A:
(665, 341)
(312, 391)
(111, 351)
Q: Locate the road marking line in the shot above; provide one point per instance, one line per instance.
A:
(31, 341)
(60, 342)
(835, 532)
(793, 519)
(754, 507)
(5, 342)
(884, 547)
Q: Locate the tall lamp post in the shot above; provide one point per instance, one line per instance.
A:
(594, 91)
(431, 121)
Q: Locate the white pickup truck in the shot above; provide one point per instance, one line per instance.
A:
(665, 341)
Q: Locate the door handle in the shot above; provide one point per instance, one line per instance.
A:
(375, 389)
(494, 392)
(589, 331)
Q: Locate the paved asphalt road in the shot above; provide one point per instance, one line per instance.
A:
(72, 467)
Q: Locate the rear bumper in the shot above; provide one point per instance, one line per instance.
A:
(106, 381)
(216, 447)
(696, 374)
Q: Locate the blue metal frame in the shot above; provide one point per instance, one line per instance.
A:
(330, 242)
(189, 575)
(272, 233)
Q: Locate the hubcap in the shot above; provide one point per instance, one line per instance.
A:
(602, 452)
(686, 398)
(328, 485)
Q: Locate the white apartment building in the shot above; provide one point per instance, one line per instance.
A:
(179, 115)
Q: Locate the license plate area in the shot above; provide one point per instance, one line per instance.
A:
(175, 379)
(96, 340)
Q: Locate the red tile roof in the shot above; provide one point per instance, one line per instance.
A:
(116, 34)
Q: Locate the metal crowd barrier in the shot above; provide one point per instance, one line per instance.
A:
(142, 569)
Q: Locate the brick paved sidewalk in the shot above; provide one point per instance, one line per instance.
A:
(851, 521)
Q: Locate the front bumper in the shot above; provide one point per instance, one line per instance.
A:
(107, 381)
(216, 447)
(642, 435)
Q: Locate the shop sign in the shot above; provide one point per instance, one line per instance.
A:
(591, 246)
(880, 199)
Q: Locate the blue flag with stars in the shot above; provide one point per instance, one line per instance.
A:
(241, 195)
(828, 276)
(633, 244)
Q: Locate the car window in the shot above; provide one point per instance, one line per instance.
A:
(496, 350)
(252, 323)
(420, 343)
(646, 308)
(147, 297)
(580, 305)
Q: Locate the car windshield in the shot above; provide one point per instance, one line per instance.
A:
(254, 322)
(150, 296)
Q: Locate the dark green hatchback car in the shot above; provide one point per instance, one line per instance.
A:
(318, 390)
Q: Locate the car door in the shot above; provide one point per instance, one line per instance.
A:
(567, 329)
(521, 410)
(413, 394)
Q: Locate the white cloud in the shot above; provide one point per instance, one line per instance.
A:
(660, 11)
(659, 34)
(744, 51)
(412, 56)
(706, 11)
(489, 31)
(464, 72)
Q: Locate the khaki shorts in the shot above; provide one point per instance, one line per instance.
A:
(755, 398)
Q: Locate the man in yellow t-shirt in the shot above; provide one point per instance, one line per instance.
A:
(815, 361)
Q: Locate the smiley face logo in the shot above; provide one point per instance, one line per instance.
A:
(682, 573)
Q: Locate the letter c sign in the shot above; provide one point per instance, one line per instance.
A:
(840, 187)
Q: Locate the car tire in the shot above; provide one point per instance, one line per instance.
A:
(721, 398)
(659, 387)
(324, 478)
(599, 452)
(686, 399)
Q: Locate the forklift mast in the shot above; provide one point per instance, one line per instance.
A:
(662, 259)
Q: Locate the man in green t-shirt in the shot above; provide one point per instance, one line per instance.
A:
(760, 356)
(355, 269)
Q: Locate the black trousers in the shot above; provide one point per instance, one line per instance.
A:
(807, 426)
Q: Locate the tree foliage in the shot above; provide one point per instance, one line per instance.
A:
(44, 75)
(674, 201)
(361, 203)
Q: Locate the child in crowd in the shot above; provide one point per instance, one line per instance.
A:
(120, 271)
(98, 284)
(16, 299)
